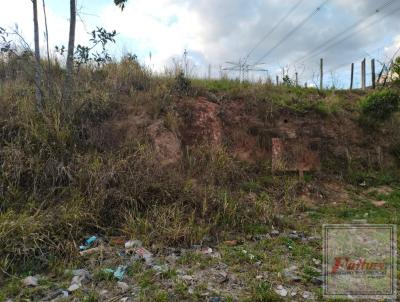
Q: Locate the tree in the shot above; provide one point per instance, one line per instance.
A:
(120, 3)
(38, 93)
(70, 52)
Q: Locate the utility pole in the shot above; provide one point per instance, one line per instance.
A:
(321, 83)
(277, 80)
(352, 76)
(363, 74)
(373, 73)
(209, 71)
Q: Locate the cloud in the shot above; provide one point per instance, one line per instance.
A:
(215, 31)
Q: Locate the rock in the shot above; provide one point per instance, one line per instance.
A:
(222, 277)
(215, 299)
(74, 287)
(291, 274)
(316, 261)
(274, 233)
(306, 295)
(31, 281)
(123, 286)
(317, 280)
(187, 278)
(281, 291)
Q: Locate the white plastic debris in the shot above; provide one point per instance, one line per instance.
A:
(31, 281)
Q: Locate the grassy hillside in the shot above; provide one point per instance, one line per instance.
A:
(177, 162)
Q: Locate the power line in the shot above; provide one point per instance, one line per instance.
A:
(322, 47)
(304, 21)
(272, 30)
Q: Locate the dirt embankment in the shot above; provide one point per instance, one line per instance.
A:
(247, 130)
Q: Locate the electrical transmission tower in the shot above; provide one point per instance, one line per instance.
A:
(244, 68)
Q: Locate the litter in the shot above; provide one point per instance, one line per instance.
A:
(31, 281)
(133, 243)
(91, 251)
(88, 243)
(145, 254)
(118, 273)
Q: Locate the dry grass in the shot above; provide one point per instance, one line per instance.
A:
(58, 185)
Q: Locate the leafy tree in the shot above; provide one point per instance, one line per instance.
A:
(120, 3)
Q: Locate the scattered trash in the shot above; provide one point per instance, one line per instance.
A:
(92, 251)
(80, 276)
(123, 286)
(281, 291)
(293, 293)
(117, 240)
(206, 250)
(144, 254)
(231, 242)
(31, 281)
(363, 184)
(88, 243)
(160, 268)
(118, 273)
(133, 243)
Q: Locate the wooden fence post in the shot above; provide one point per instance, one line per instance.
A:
(363, 70)
(277, 80)
(352, 76)
(373, 73)
(297, 79)
(321, 84)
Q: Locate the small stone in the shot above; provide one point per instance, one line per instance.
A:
(274, 233)
(306, 295)
(281, 291)
(317, 280)
(316, 261)
(293, 236)
(187, 278)
(123, 286)
(31, 281)
(293, 293)
(74, 287)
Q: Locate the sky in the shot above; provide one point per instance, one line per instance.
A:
(217, 31)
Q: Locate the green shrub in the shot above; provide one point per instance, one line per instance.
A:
(380, 105)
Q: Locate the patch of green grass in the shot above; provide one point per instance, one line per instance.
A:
(263, 292)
